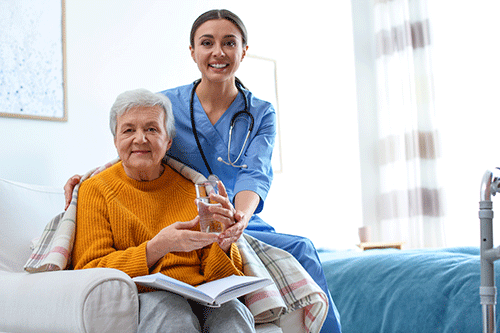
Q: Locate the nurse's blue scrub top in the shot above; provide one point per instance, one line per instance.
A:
(214, 140)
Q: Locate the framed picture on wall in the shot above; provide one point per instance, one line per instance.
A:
(258, 74)
(32, 59)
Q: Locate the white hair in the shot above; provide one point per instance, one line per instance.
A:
(142, 97)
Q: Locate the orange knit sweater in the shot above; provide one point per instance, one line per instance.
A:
(117, 216)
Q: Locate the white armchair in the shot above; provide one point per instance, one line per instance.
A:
(91, 300)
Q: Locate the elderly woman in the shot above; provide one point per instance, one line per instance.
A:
(128, 219)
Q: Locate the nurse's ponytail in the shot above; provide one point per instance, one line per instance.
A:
(239, 83)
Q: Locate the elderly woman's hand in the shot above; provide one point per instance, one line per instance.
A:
(177, 237)
(234, 222)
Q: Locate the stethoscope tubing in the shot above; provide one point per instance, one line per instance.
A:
(232, 123)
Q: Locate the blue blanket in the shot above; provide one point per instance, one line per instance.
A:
(407, 291)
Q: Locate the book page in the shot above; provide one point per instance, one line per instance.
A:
(159, 280)
(227, 284)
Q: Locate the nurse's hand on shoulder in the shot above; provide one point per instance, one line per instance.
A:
(177, 237)
(68, 189)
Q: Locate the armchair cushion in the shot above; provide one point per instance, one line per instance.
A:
(24, 211)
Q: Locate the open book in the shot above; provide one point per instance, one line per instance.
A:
(212, 293)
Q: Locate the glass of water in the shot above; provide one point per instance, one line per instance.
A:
(203, 191)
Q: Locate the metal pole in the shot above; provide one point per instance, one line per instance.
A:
(487, 290)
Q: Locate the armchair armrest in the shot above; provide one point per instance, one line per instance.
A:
(89, 300)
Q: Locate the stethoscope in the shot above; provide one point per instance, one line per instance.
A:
(235, 117)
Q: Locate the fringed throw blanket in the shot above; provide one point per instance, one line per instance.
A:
(293, 288)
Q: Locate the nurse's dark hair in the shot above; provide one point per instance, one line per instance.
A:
(218, 14)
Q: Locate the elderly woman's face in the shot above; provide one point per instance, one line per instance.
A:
(141, 141)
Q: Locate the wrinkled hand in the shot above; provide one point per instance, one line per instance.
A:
(234, 221)
(68, 189)
(177, 237)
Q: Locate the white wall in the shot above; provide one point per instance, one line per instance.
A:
(115, 45)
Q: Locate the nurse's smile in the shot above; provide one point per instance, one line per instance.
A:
(218, 66)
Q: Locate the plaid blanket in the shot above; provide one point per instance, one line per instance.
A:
(293, 288)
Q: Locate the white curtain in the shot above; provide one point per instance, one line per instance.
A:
(410, 205)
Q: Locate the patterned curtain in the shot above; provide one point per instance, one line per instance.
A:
(410, 204)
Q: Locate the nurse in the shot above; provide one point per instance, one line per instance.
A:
(204, 111)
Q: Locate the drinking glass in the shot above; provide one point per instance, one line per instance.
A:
(203, 190)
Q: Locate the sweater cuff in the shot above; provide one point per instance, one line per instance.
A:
(137, 263)
(235, 256)
(219, 265)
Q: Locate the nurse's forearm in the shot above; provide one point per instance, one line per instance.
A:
(247, 202)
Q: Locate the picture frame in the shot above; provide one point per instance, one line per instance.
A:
(259, 75)
(33, 60)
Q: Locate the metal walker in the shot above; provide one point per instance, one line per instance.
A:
(490, 185)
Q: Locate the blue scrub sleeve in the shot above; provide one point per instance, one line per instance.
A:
(259, 174)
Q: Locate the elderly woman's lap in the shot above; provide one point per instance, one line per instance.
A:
(162, 311)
